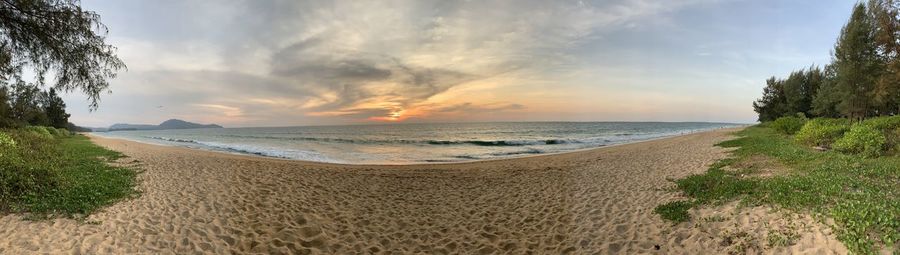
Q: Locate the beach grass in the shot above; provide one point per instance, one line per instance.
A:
(861, 195)
(59, 175)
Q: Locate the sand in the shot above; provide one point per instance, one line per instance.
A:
(597, 201)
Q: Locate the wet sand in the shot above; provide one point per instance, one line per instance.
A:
(585, 202)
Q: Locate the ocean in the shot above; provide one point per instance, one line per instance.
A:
(415, 143)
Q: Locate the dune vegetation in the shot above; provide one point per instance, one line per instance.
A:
(53, 172)
(828, 144)
(856, 186)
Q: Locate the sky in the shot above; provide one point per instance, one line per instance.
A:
(289, 63)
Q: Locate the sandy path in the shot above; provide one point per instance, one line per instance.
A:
(582, 203)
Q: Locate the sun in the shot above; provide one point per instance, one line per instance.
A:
(393, 116)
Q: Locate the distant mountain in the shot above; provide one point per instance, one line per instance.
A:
(169, 124)
(121, 126)
(180, 124)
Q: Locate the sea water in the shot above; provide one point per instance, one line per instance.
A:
(415, 143)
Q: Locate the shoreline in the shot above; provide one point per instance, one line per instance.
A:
(735, 129)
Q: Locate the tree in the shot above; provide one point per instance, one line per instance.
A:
(5, 111)
(886, 16)
(828, 96)
(773, 103)
(857, 64)
(25, 105)
(787, 97)
(56, 36)
(55, 109)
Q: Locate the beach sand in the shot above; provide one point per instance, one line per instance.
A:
(585, 202)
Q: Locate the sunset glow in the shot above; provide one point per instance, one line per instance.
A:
(351, 62)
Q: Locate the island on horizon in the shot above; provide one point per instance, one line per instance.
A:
(165, 125)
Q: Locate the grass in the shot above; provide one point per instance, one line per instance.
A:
(781, 238)
(861, 195)
(63, 175)
(676, 211)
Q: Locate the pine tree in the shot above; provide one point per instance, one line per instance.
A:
(886, 17)
(57, 37)
(55, 109)
(827, 97)
(773, 103)
(25, 103)
(857, 65)
(5, 111)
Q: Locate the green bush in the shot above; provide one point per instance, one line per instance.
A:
(822, 131)
(862, 139)
(52, 131)
(39, 131)
(892, 141)
(676, 211)
(6, 141)
(883, 123)
(64, 176)
(788, 125)
(25, 171)
(63, 132)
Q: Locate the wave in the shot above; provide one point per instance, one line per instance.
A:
(172, 139)
(522, 152)
(253, 150)
(269, 152)
(432, 142)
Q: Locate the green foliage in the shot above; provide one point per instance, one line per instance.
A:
(860, 194)
(857, 64)
(886, 16)
(862, 139)
(883, 123)
(676, 211)
(52, 131)
(781, 238)
(55, 109)
(822, 131)
(788, 125)
(60, 176)
(863, 79)
(892, 141)
(56, 37)
(62, 132)
(25, 101)
(785, 97)
(715, 185)
(6, 141)
(75, 128)
(6, 120)
(39, 131)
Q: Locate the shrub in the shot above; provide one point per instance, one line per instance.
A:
(39, 131)
(892, 141)
(788, 125)
(52, 131)
(59, 176)
(862, 139)
(25, 170)
(883, 123)
(6, 140)
(676, 211)
(63, 132)
(822, 131)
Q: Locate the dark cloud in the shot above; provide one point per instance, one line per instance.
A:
(357, 76)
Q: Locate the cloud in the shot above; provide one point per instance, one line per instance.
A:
(472, 108)
(346, 61)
